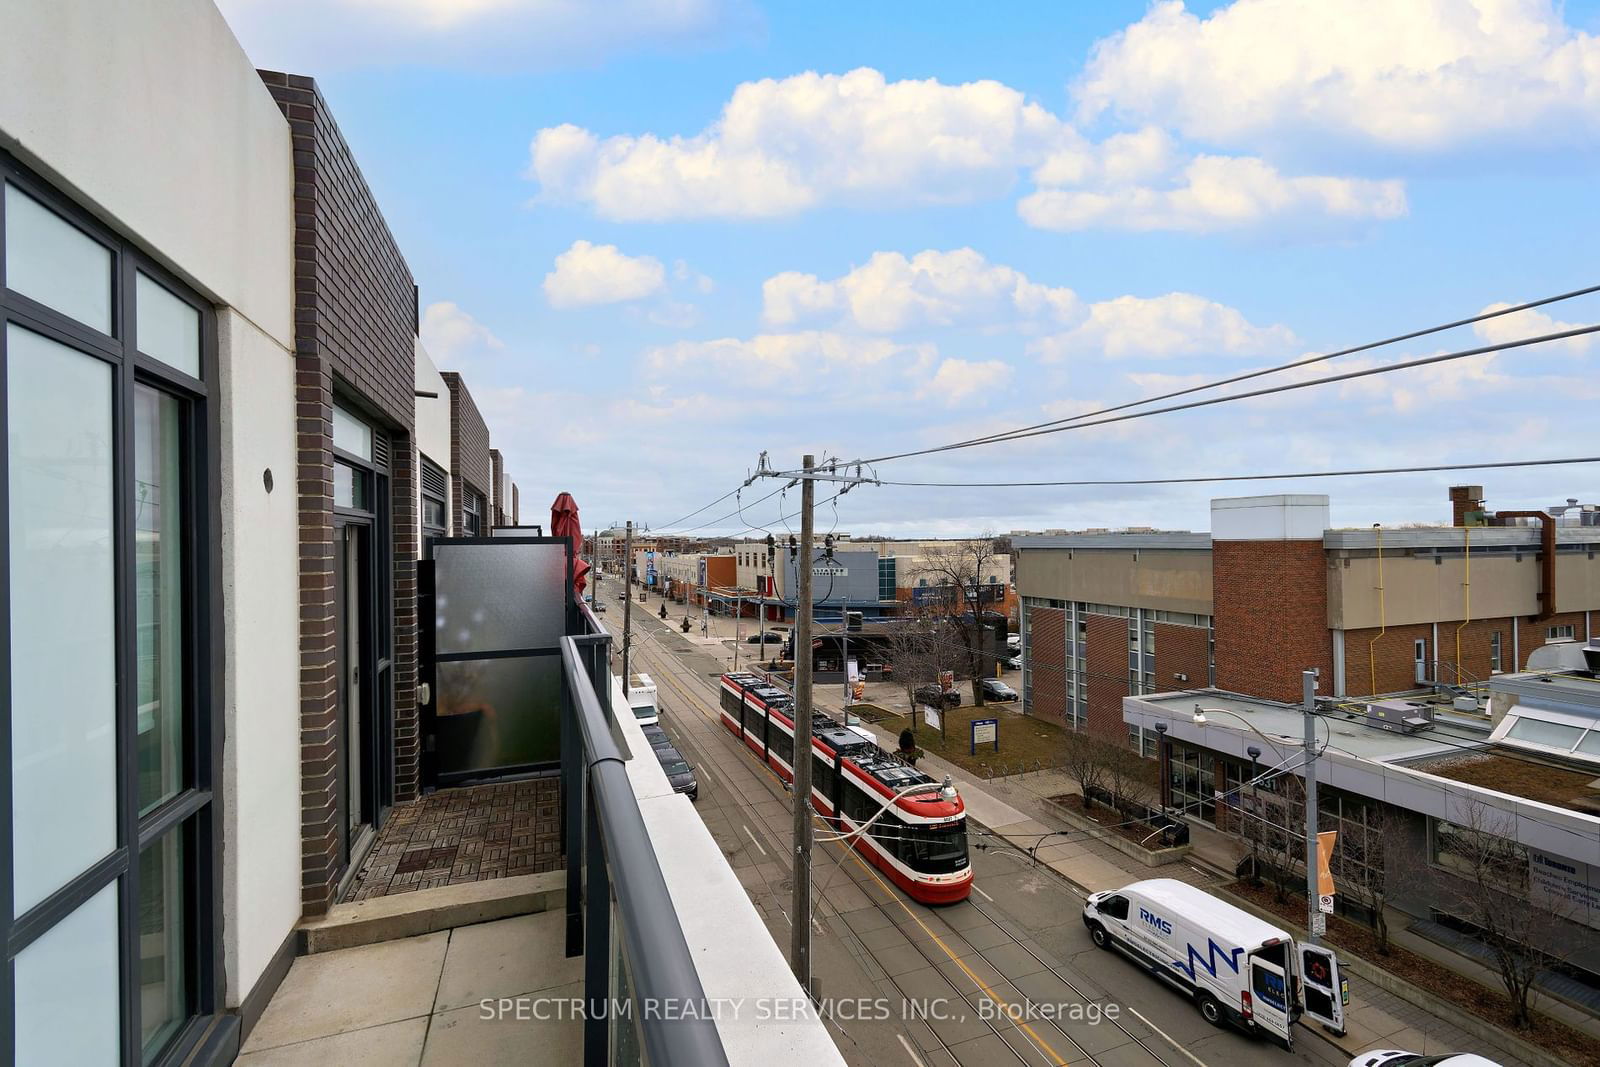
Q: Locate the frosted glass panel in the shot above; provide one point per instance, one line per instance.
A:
(351, 434)
(168, 328)
(63, 686)
(498, 713)
(499, 597)
(55, 263)
(67, 994)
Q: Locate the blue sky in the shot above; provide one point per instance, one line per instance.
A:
(660, 236)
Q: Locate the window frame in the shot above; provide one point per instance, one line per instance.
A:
(195, 812)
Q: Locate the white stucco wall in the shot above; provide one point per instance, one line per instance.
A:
(151, 115)
(261, 618)
(433, 423)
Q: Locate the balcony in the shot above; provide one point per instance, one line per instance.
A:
(629, 948)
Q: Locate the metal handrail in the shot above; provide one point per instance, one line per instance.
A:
(622, 859)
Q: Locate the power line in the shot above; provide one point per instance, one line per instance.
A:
(1042, 426)
(698, 510)
(1254, 477)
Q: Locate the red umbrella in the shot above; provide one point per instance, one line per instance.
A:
(564, 523)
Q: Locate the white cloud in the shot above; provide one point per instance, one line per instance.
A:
(1417, 75)
(449, 334)
(685, 273)
(325, 35)
(1210, 193)
(932, 288)
(1177, 324)
(587, 274)
(847, 368)
(1531, 323)
(958, 380)
(781, 146)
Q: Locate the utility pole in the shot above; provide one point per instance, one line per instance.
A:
(1314, 918)
(627, 605)
(738, 621)
(800, 903)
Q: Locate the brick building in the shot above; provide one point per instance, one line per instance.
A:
(1271, 590)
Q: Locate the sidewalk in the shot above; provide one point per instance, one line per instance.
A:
(1374, 1019)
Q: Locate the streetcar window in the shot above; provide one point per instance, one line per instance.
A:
(935, 849)
(821, 775)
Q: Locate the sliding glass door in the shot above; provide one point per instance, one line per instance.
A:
(110, 892)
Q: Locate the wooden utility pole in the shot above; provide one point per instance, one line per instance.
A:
(627, 605)
(800, 909)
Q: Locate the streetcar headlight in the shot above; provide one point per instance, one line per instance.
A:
(947, 792)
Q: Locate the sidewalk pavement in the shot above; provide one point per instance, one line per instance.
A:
(1374, 1019)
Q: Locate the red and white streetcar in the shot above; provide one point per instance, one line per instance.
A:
(920, 843)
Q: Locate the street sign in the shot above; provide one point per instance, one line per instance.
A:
(984, 732)
(1325, 903)
(1319, 924)
(930, 715)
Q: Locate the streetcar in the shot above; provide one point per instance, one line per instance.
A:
(920, 843)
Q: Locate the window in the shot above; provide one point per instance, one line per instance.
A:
(1479, 854)
(112, 856)
(1542, 732)
(471, 513)
(1113, 907)
(435, 504)
(1562, 633)
(1495, 653)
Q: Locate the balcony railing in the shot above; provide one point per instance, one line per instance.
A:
(643, 996)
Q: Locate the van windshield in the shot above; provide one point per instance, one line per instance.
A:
(644, 711)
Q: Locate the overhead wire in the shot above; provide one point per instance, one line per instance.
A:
(1251, 477)
(1062, 423)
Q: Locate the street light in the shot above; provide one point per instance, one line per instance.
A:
(1308, 680)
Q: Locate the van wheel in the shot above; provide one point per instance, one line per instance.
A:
(1210, 1010)
(1098, 935)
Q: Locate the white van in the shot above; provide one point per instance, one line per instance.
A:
(642, 699)
(1237, 968)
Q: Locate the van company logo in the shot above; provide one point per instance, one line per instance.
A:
(1155, 922)
(1208, 962)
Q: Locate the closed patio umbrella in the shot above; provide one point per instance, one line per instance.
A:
(564, 523)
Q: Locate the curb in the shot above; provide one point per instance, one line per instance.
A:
(1419, 997)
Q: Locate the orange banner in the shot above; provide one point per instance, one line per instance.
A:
(1325, 841)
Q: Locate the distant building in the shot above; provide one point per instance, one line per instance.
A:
(1272, 590)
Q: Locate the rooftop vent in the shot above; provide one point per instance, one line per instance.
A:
(1400, 716)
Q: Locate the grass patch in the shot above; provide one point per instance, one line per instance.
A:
(871, 713)
(1024, 741)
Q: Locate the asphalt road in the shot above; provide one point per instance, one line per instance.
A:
(1008, 976)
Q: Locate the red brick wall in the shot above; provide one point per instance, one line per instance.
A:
(1106, 661)
(1534, 632)
(1182, 650)
(1271, 616)
(1047, 663)
(1393, 657)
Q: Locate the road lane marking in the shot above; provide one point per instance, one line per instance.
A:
(910, 1051)
(753, 840)
(982, 894)
(1165, 1036)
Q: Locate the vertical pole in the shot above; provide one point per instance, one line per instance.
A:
(1308, 681)
(800, 905)
(627, 605)
(844, 614)
(738, 620)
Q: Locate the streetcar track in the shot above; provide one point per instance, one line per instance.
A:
(673, 673)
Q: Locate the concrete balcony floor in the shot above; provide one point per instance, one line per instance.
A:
(417, 1000)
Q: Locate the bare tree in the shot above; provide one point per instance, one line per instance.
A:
(1084, 759)
(1127, 776)
(1488, 883)
(961, 569)
(915, 651)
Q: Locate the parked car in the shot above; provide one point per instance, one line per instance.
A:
(933, 694)
(1388, 1057)
(1013, 664)
(679, 773)
(995, 689)
(599, 608)
(768, 638)
(657, 737)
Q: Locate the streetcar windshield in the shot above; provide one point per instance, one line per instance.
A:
(935, 849)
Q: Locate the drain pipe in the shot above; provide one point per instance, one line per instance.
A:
(1383, 622)
(1547, 562)
(1466, 585)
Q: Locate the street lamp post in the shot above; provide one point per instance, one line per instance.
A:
(1308, 680)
